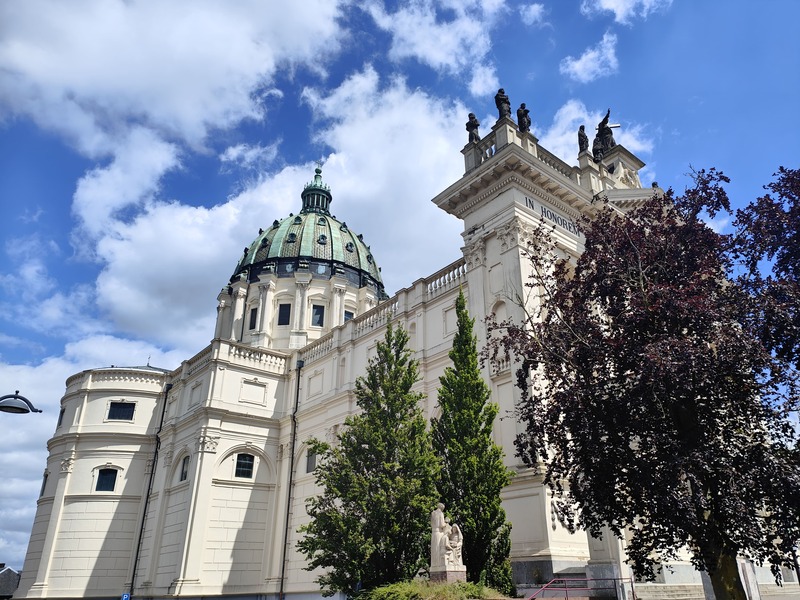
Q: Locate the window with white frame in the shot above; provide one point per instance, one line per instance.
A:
(284, 314)
(311, 461)
(106, 480)
(184, 469)
(244, 466)
(317, 315)
(121, 411)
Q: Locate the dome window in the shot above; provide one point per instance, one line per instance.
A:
(369, 258)
(291, 238)
(350, 247)
(275, 224)
(298, 219)
(322, 221)
(343, 227)
(322, 239)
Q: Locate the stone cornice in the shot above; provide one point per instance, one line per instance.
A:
(514, 166)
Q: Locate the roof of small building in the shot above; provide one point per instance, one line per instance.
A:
(9, 581)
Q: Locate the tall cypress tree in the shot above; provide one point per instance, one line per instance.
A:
(473, 473)
(371, 524)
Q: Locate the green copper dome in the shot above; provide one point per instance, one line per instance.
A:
(313, 242)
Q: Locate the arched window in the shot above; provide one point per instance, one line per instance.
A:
(184, 469)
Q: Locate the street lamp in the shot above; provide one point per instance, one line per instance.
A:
(14, 403)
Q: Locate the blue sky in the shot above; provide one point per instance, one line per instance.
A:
(144, 143)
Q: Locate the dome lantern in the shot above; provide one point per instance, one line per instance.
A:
(316, 195)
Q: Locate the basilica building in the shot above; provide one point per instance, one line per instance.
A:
(192, 482)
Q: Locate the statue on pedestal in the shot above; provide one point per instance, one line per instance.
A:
(447, 563)
(583, 140)
(503, 104)
(523, 118)
(604, 140)
(472, 128)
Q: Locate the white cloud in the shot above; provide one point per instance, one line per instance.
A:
(446, 35)
(595, 62)
(624, 10)
(532, 14)
(254, 157)
(484, 81)
(133, 84)
(87, 69)
(29, 278)
(130, 179)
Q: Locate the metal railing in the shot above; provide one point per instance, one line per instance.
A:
(582, 587)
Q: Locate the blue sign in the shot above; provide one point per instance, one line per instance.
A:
(125, 597)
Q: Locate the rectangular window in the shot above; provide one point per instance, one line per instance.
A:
(284, 313)
(184, 468)
(106, 480)
(348, 314)
(317, 316)
(253, 317)
(121, 411)
(311, 462)
(244, 465)
(60, 417)
(44, 485)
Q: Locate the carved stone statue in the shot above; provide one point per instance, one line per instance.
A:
(583, 140)
(604, 139)
(447, 541)
(523, 118)
(453, 544)
(503, 103)
(472, 128)
(438, 525)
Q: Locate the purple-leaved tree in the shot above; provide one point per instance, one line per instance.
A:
(659, 382)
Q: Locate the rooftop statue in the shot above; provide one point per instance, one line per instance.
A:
(503, 103)
(583, 140)
(523, 118)
(472, 128)
(604, 139)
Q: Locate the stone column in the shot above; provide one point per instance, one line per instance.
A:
(607, 561)
(266, 291)
(221, 306)
(238, 312)
(263, 334)
(300, 295)
(193, 544)
(40, 584)
(337, 318)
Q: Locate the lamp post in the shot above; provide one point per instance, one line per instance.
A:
(14, 403)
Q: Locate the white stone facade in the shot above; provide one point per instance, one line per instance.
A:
(189, 517)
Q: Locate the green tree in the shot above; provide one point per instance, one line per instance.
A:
(370, 526)
(654, 394)
(473, 473)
